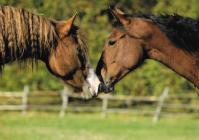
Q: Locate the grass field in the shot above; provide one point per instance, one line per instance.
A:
(44, 126)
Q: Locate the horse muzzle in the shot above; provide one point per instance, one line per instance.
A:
(106, 89)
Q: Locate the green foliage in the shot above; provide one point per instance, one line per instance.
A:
(151, 78)
(182, 7)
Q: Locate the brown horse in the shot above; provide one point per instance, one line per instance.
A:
(58, 44)
(171, 40)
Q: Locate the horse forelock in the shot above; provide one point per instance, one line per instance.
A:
(82, 46)
(80, 36)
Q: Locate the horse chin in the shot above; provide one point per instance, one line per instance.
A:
(88, 92)
(75, 87)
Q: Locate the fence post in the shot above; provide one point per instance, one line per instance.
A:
(104, 105)
(25, 99)
(161, 100)
(64, 106)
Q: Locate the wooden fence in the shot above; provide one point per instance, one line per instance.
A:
(65, 99)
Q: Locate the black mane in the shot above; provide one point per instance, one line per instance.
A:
(182, 31)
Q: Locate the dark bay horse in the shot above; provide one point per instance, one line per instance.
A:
(172, 40)
(58, 44)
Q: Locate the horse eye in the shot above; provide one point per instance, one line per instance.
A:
(111, 42)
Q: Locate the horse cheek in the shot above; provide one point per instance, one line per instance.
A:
(130, 60)
(114, 70)
(59, 66)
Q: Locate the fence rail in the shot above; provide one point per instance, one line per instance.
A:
(64, 102)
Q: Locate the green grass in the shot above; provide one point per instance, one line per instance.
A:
(43, 126)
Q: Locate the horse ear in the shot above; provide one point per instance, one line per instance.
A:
(64, 27)
(120, 16)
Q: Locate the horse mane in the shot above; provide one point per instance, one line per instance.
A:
(20, 30)
(182, 31)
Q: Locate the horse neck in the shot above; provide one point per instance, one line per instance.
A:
(179, 60)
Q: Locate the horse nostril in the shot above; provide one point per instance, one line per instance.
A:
(111, 89)
(101, 88)
(107, 83)
(106, 89)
